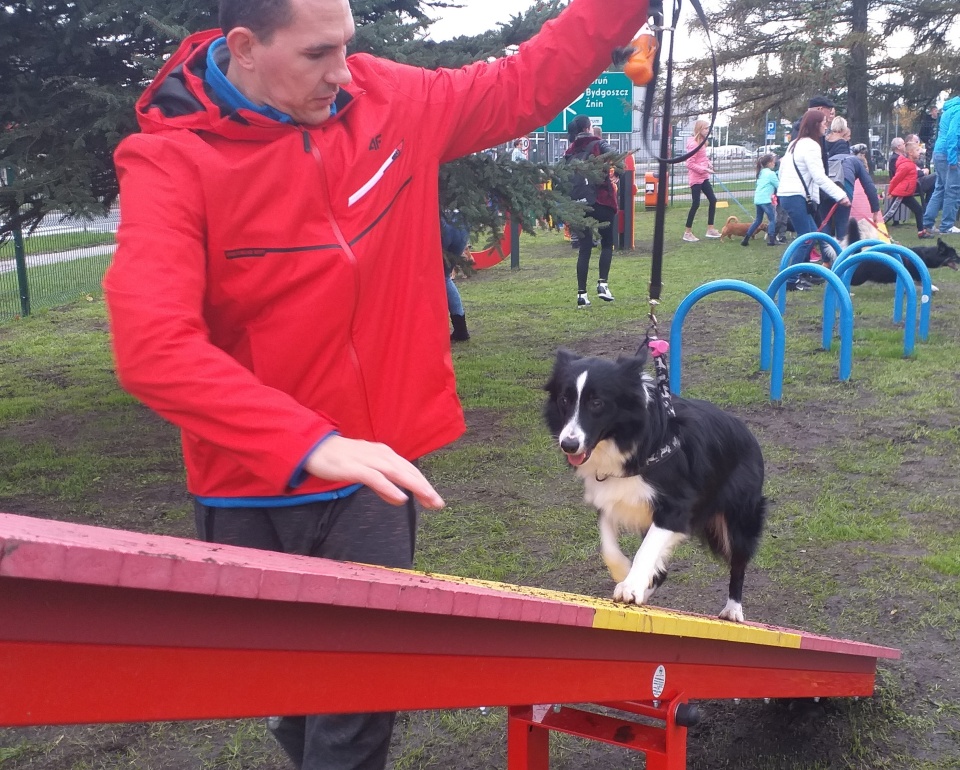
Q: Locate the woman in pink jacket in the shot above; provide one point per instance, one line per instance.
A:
(699, 170)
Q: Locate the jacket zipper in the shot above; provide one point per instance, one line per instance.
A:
(372, 181)
(309, 147)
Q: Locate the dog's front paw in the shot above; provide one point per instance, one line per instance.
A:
(631, 592)
(733, 611)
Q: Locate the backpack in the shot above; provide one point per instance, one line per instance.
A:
(580, 187)
(835, 170)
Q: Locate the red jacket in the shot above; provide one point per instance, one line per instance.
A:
(904, 181)
(273, 283)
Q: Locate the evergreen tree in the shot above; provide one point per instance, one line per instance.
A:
(773, 57)
(70, 73)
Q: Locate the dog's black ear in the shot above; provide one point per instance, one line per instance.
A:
(564, 359)
(632, 366)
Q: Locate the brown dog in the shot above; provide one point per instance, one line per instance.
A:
(735, 228)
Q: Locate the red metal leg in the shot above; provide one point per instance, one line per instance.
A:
(528, 744)
(665, 747)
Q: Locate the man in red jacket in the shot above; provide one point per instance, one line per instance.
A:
(275, 291)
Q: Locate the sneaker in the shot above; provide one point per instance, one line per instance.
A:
(690, 238)
(952, 231)
(745, 241)
(582, 300)
(603, 291)
(812, 280)
(925, 234)
(800, 285)
(714, 233)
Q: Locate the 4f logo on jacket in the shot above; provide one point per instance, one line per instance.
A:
(374, 143)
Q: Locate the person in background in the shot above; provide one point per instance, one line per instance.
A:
(802, 178)
(699, 170)
(454, 239)
(946, 162)
(927, 132)
(767, 182)
(851, 173)
(602, 205)
(274, 291)
(837, 140)
(905, 183)
(896, 152)
(516, 154)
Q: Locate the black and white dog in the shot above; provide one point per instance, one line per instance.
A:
(698, 473)
(941, 255)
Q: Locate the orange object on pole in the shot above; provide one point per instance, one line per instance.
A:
(639, 67)
(650, 184)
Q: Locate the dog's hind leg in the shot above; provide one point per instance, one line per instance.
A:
(615, 559)
(649, 568)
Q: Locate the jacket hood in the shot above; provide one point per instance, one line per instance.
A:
(179, 98)
(952, 104)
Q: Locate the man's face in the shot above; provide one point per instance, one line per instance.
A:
(302, 66)
(829, 114)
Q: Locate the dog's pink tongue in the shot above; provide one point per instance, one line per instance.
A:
(577, 459)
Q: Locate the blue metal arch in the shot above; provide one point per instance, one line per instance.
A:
(844, 270)
(770, 311)
(834, 286)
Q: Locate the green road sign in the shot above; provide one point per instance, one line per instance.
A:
(608, 101)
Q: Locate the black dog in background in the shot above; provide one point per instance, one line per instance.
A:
(941, 255)
(698, 473)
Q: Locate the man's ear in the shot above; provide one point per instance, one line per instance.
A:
(240, 41)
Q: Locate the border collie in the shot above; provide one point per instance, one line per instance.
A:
(941, 255)
(697, 472)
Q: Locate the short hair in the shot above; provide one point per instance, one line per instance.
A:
(911, 146)
(517, 142)
(838, 125)
(810, 124)
(261, 17)
(821, 101)
(896, 144)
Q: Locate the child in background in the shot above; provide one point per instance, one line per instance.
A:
(767, 182)
(699, 170)
(904, 185)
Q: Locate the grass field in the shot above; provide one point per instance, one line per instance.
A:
(862, 542)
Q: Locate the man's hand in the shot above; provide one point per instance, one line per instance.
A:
(844, 201)
(374, 465)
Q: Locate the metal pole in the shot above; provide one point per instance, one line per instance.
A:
(20, 257)
(514, 242)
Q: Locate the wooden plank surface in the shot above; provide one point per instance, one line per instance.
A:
(40, 549)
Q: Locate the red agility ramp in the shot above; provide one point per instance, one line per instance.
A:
(100, 625)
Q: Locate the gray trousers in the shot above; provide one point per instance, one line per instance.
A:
(362, 528)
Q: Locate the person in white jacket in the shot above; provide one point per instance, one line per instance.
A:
(803, 178)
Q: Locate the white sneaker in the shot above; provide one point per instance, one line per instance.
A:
(603, 291)
(952, 231)
(690, 238)
(582, 300)
(714, 234)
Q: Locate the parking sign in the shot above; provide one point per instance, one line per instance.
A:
(771, 130)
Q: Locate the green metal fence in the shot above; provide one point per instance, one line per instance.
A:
(60, 261)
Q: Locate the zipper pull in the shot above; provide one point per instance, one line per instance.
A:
(306, 141)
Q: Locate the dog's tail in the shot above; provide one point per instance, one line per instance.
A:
(853, 231)
(732, 219)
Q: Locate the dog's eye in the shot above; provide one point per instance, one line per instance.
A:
(564, 402)
(596, 404)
